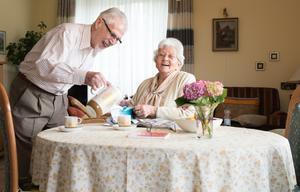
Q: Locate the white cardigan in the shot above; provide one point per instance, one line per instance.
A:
(167, 108)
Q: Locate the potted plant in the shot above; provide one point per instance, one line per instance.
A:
(17, 51)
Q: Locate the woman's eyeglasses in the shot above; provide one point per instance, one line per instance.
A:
(111, 33)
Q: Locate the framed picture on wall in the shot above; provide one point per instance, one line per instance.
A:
(225, 34)
(259, 66)
(274, 56)
(2, 42)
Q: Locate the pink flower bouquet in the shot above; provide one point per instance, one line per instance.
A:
(205, 96)
(201, 93)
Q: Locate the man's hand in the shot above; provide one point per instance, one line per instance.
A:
(143, 111)
(95, 80)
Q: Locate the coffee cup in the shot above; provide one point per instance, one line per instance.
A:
(124, 120)
(72, 121)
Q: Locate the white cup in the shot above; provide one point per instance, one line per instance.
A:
(124, 120)
(72, 121)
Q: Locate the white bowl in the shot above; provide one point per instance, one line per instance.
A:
(190, 125)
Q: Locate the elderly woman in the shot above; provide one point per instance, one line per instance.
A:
(155, 97)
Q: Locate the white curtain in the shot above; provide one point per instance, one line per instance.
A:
(126, 65)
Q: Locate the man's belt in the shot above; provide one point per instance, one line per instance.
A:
(23, 77)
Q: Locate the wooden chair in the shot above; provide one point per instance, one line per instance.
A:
(294, 100)
(10, 149)
(294, 139)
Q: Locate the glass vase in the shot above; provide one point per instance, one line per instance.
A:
(205, 117)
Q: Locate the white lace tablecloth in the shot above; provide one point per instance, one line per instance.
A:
(100, 159)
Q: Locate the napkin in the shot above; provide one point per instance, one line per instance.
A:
(157, 123)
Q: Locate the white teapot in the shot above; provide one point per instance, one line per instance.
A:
(103, 101)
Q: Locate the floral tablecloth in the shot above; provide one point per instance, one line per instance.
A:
(98, 158)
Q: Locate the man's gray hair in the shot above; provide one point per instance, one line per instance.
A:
(114, 14)
(176, 44)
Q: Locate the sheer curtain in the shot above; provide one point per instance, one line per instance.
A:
(126, 65)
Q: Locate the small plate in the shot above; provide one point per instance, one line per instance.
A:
(64, 129)
(131, 127)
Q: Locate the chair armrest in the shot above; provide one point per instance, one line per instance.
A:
(277, 120)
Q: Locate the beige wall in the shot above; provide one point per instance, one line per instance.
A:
(44, 10)
(16, 17)
(264, 26)
(19, 16)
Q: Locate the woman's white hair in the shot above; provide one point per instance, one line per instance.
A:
(176, 44)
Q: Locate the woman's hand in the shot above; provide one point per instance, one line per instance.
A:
(143, 111)
(96, 80)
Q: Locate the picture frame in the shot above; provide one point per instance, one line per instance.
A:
(259, 66)
(2, 42)
(225, 34)
(274, 56)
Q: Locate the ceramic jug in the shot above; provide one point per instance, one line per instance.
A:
(103, 101)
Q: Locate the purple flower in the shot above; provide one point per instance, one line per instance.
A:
(202, 88)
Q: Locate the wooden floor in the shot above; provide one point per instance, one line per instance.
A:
(2, 175)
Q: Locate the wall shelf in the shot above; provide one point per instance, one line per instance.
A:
(289, 85)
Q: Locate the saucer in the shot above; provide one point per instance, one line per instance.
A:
(117, 127)
(64, 129)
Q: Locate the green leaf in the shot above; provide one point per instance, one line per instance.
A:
(17, 51)
(181, 101)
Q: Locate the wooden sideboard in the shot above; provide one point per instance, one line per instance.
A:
(7, 74)
(2, 75)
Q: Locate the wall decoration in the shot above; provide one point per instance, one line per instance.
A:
(274, 56)
(2, 42)
(225, 34)
(259, 66)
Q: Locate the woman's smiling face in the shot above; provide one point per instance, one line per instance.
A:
(166, 60)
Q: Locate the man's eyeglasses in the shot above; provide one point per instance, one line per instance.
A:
(111, 33)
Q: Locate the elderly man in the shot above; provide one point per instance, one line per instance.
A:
(60, 59)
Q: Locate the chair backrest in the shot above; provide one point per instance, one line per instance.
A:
(269, 100)
(294, 100)
(294, 139)
(10, 149)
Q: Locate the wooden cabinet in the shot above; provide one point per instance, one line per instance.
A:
(7, 74)
(1, 79)
(2, 71)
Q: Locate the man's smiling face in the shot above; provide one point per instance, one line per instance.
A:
(106, 34)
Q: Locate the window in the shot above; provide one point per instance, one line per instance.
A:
(126, 65)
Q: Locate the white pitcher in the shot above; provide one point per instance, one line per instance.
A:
(104, 100)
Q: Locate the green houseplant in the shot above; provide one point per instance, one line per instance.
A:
(17, 51)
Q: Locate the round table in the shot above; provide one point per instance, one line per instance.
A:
(98, 158)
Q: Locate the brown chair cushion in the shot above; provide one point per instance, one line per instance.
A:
(238, 106)
(269, 101)
(77, 104)
(73, 111)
